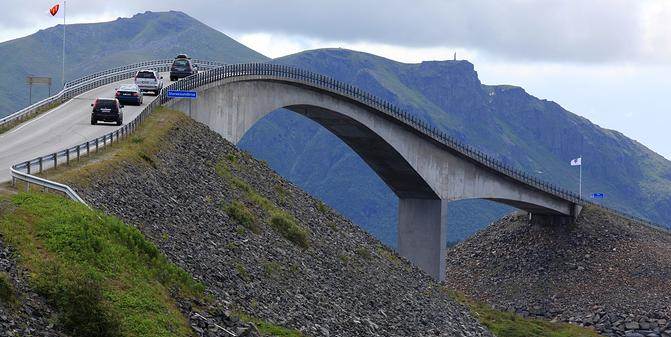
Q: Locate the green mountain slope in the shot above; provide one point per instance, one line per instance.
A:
(94, 47)
(536, 135)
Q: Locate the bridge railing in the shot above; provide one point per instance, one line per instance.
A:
(282, 72)
(92, 81)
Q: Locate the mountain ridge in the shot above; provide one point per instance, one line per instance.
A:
(103, 45)
(504, 121)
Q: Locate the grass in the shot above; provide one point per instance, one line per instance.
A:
(280, 220)
(506, 324)
(241, 214)
(286, 225)
(103, 276)
(140, 148)
(242, 272)
(268, 329)
(272, 268)
(321, 207)
(364, 253)
(7, 294)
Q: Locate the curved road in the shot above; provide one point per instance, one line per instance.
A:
(64, 126)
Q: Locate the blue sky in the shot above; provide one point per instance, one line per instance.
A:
(607, 60)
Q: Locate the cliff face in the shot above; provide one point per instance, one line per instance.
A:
(533, 134)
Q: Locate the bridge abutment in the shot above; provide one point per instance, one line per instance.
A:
(422, 234)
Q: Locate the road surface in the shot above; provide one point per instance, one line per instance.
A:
(62, 127)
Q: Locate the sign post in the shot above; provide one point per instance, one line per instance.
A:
(31, 80)
(191, 95)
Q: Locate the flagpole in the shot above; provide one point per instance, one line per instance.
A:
(580, 183)
(63, 70)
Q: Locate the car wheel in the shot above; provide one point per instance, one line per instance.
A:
(93, 121)
(119, 121)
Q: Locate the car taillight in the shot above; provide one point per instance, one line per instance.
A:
(117, 93)
(135, 94)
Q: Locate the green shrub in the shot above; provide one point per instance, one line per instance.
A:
(286, 225)
(363, 253)
(267, 328)
(242, 272)
(321, 207)
(6, 290)
(272, 268)
(79, 298)
(241, 214)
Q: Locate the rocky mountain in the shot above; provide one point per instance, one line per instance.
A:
(261, 244)
(98, 46)
(604, 271)
(533, 134)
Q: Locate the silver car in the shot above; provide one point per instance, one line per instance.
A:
(149, 80)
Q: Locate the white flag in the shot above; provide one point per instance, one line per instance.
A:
(576, 162)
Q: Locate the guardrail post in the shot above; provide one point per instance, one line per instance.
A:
(55, 159)
(88, 148)
(28, 167)
(67, 157)
(40, 164)
(97, 144)
(78, 153)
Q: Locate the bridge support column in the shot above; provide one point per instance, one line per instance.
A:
(422, 234)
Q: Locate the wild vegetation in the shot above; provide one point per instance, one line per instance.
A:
(103, 276)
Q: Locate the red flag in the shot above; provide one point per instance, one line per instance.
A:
(54, 10)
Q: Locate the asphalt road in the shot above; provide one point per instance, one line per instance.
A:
(64, 126)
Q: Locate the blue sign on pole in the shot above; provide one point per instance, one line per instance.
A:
(598, 196)
(182, 94)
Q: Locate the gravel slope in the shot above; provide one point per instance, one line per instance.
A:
(345, 284)
(603, 271)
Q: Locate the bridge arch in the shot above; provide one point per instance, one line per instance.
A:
(424, 172)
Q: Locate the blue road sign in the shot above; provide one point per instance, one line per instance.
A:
(598, 196)
(182, 94)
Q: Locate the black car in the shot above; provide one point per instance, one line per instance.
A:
(129, 94)
(181, 67)
(107, 110)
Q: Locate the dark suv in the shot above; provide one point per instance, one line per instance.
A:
(107, 110)
(181, 67)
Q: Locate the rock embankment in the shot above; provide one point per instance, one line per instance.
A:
(269, 249)
(603, 271)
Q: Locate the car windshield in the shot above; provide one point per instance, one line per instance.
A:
(181, 63)
(128, 88)
(106, 104)
(146, 74)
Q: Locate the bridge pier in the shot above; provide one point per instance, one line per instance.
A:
(422, 234)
